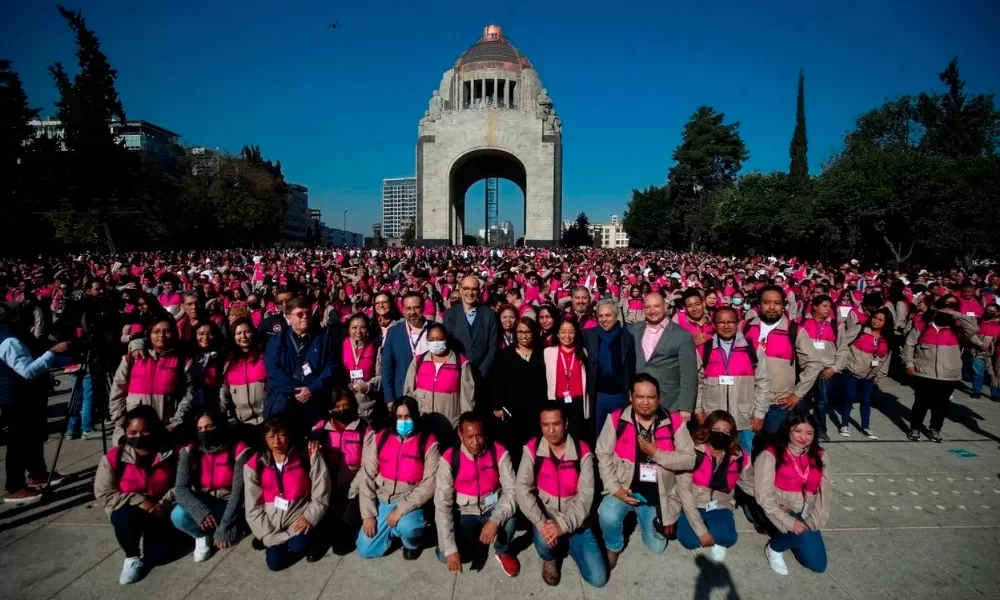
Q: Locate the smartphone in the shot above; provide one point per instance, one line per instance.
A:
(640, 497)
(507, 414)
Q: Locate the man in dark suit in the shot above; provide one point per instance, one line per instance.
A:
(610, 363)
(666, 351)
(403, 341)
(473, 328)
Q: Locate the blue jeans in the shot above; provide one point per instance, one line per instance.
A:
(605, 405)
(775, 418)
(746, 440)
(611, 515)
(409, 529)
(807, 548)
(83, 415)
(282, 556)
(720, 523)
(974, 369)
(582, 547)
(186, 523)
(132, 525)
(860, 390)
(819, 401)
(467, 528)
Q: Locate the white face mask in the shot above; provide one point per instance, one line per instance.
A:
(437, 347)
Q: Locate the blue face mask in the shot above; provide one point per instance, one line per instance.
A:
(737, 301)
(404, 428)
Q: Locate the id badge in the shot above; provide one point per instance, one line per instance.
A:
(821, 345)
(491, 500)
(844, 311)
(970, 314)
(727, 380)
(280, 503)
(875, 362)
(357, 375)
(647, 473)
(805, 511)
(567, 398)
(306, 369)
(712, 505)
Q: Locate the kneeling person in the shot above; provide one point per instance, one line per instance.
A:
(555, 489)
(476, 481)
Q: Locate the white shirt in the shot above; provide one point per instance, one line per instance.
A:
(418, 337)
(727, 347)
(766, 329)
(16, 356)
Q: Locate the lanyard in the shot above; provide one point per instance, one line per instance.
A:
(413, 345)
(803, 474)
(356, 354)
(572, 363)
(726, 356)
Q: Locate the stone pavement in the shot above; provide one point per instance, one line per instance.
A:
(910, 520)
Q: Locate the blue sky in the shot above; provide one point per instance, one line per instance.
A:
(340, 108)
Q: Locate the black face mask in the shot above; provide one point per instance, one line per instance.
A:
(143, 442)
(213, 438)
(719, 440)
(344, 416)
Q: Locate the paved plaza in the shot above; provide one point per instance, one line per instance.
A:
(910, 520)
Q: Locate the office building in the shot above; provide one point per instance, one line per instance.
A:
(136, 136)
(399, 204)
(610, 235)
(293, 228)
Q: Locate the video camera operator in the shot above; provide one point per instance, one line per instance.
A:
(94, 325)
(24, 392)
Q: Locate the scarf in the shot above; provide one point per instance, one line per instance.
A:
(604, 341)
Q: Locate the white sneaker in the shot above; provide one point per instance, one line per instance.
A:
(845, 431)
(202, 548)
(869, 434)
(777, 561)
(131, 571)
(718, 553)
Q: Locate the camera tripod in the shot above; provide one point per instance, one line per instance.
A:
(75, 400)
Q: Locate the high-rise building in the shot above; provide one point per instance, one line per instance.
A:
(399, 204)
(293, 228)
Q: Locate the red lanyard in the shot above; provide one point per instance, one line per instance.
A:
(803, 474)
(572, 363)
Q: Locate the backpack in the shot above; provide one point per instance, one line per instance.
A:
(706, 352)
(456, 458)
(793, 334)
(622, 424)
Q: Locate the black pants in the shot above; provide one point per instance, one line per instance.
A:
(932, 394)
(26, 423)
(158, 536)
(578, 427)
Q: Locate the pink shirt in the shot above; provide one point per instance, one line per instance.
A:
(650, 338)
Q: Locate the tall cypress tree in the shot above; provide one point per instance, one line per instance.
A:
(798, 171)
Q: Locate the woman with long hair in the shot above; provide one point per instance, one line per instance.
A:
(507, 319)
(244, 379)
(520, 387)
(360, 357)
(209, 359)
(396, 481)
(933, 357)
(706, 492)
(863, 359)
(566, 376)
(549, 319)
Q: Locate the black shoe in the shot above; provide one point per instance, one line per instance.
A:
(411, 554)
(823, 437)
(914, 435)
(975, 396)
(257, 544)
(315, 556)
(935, 435)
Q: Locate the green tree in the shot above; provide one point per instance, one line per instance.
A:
(15, 151)
(707, 160)
(648, 218)
(578, 234)
(798, 169)
(956, 124)
(409, 236)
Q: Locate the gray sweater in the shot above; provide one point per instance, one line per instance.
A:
(191, 498)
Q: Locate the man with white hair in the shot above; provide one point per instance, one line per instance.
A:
(473, 327)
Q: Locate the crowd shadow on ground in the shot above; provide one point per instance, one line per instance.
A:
(713, 576)
(77, 489)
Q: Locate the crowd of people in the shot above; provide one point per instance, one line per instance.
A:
(356, 400)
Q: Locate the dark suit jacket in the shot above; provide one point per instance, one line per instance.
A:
(590, 340)
(479, 342)
(397, 354)
(673, 363)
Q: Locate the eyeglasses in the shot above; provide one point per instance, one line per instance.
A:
(299, 314)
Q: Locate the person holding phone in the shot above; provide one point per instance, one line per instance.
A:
(640, 450)
(519, 388)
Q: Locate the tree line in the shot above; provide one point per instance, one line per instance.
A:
(88, 191)
(916, 181)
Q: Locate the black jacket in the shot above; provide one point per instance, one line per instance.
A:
(477, 342)
(590, 339)
(519, 387)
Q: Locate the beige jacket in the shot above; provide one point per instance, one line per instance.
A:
(171, 409)
(447, 501)
(943, 363)
(784, 379)
(106, 484)
(450, 405)
(268, 523)
(345, 479)
(570, 514)
(759, 482)
(689, 497)
(747, 397)
(856, 361)
(617, 472)
(373, 488)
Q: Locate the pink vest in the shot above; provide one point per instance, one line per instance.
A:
(557, 478)
(932, 336)
(701, 476)
(989, 329)
(246, 370)
(216, 469)
(867, 343)
(402, 460)
(365, 362)
(162, 376)
(971, 306)
(819, 332)
(625, 446)
(170, 299)
(635, 303)
(693, 328)
(739, 365)
(291, 483)
(447, 380)
(343, 447)
(789, 479)
(777, 345)
(135, 480)
(476, 477)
